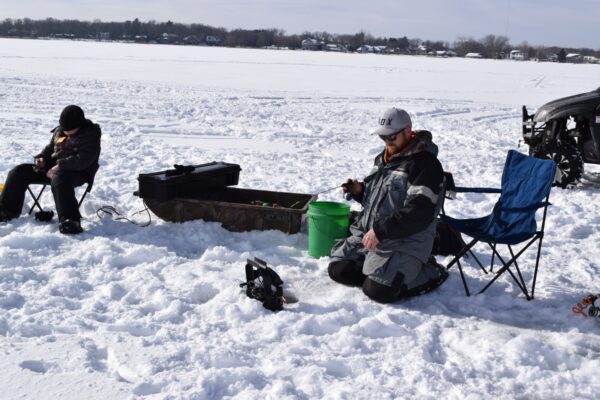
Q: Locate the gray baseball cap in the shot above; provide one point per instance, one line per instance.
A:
(393, 121)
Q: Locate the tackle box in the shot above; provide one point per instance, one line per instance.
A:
(189, 180)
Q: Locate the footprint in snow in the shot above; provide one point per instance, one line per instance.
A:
(11, 300)
(133, 330)
(202, 293)
(96, 356)
(36, 366)
(581, 232)
(148, 388)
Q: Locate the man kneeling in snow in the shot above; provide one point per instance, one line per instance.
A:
(68, 161)
(389, 250)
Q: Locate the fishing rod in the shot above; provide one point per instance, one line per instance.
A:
(346, 185)
(20, 147)
(328, 190)
(318, 193)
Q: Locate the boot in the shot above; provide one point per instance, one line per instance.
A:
(436, 275)
(4, 217)
(70, 226)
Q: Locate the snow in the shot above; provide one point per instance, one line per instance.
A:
(123, 312)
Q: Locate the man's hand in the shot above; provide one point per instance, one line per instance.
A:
(352, 186)
(40, 162)
(52, 171)
(370, 240)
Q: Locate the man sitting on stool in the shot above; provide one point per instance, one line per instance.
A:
(68, 161)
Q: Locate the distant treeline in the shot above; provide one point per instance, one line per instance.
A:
(490, 46)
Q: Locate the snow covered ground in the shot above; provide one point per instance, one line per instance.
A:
(123, 312)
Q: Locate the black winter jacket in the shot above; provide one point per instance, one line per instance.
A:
(79, 152)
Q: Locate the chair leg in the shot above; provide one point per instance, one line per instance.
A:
(461, 253)
(462, 276)
(36, 199)
(538, 236)
(481, 267)
(517, 268)
(537, 263)
(506, 266)
(456, 260)
(493, 245)
(87, 189)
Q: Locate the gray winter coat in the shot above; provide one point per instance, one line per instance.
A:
(401, 200)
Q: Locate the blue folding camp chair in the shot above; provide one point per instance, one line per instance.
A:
(526, 184)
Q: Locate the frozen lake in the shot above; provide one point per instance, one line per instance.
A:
(125, 312)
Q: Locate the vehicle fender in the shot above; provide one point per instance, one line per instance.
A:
(595, 130)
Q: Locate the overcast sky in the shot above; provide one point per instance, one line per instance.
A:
(574, 23)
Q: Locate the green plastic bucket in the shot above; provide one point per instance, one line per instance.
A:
(327, 223)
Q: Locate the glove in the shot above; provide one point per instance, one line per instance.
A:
(352, 188)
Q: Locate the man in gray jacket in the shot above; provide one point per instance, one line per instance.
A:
(389, 251)
(68, 161)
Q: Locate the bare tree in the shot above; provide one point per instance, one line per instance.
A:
(495, 46)
(492, 46)
(464, 45)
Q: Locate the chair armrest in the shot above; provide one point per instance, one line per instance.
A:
(531, 207)
(459, 189)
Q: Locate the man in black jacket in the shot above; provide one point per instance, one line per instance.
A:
(68, 161)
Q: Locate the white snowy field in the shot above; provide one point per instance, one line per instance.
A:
(123, 312)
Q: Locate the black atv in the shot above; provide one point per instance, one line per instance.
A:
(567, 131)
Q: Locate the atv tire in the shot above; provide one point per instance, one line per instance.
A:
(569, 163)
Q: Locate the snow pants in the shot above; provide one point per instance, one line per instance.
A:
(63, 186)
(385, 276)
